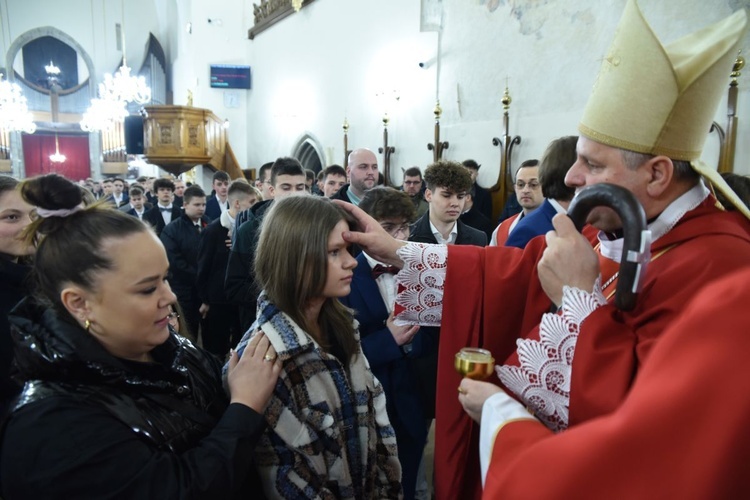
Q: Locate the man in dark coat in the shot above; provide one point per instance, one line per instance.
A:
(287, 179)
(220, 318)
(447, 185)
(181, 239)
(164, 211)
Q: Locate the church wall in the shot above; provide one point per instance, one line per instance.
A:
(334, 57)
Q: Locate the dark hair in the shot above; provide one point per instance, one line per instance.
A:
(7, 183)
(136, 191)
(383, 202)
(310, 175)
(559, 156)
(286, 165)
(220, 175)
(70, 248)
(682, 169)
(118, 179)
(526, 164)
(263, 168)
(142, 179)
(740, 184)
(447, 175)
(106, 180)
(237, 189)
(472, 164)
(334, 170)
(291, 265)
(413, 172)
(163, 183)
(194, 191)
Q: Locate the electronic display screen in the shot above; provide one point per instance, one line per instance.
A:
(229, 76)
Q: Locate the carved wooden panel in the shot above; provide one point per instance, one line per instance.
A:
(269, 12)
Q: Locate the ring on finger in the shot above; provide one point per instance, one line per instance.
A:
(269, 358)
(461, 390)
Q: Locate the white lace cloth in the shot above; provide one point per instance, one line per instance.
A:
(542, 379)
(423, 280)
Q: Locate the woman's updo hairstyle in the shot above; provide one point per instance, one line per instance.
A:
(69, 237)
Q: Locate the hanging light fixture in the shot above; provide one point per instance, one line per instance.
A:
(103, 114)
(297, 5)
(14, 112)
(115, 93)
(57, 157)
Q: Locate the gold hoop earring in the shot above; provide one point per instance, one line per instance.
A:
(87, 324)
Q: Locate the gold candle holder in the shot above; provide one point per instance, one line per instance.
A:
(474, 363)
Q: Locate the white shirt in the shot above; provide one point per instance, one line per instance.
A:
(386, 284)
(439, 237)
(165, 214)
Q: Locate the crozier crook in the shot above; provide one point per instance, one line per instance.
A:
(636, 237)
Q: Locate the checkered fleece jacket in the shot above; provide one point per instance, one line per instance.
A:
(328, 431)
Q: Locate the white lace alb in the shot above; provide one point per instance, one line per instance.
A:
(542, 379)
(423, 280)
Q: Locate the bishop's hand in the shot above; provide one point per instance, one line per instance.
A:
(568, 260)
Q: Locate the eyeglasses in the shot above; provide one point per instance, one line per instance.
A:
(393, 229)
(532, 185)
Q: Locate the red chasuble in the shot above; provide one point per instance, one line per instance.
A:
(493, 297)
(503, 229)
(681, 432)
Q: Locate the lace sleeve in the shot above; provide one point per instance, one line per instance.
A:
(420, 284)
(542, 379)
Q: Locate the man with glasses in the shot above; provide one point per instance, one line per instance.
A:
(413, 187)
(389, 348)
(529, 195)
(558, 158)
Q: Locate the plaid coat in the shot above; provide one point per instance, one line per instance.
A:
(328, 431)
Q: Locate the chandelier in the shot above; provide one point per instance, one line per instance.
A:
(57, 157)
(115, 93)
(124, 87)
(14, 113)
(103, 114)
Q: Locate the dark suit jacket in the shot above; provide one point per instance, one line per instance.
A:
(123, 202)
(342, 194)
(536, 223)
(392, 367)
(154, 217)
(213, 210)
(132, 212)
(422, 233)
(477, 220)
(426, 366)
(181, 240)
(482, 201)
(213, 256)
(239, 282)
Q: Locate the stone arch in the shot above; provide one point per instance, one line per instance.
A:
(310, 153)
(35, 33)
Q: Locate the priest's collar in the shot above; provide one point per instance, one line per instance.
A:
(612, 248)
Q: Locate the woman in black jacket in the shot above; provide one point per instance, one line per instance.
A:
(15, 215)
(115, 405)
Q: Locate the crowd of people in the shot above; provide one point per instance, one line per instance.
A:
(295, 339)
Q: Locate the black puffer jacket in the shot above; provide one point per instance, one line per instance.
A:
(93, 424)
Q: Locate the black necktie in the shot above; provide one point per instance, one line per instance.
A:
(380, 269)
(165, 209)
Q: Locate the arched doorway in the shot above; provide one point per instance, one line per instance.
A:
(308, 154)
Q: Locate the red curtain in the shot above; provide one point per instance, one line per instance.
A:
(38, 147)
